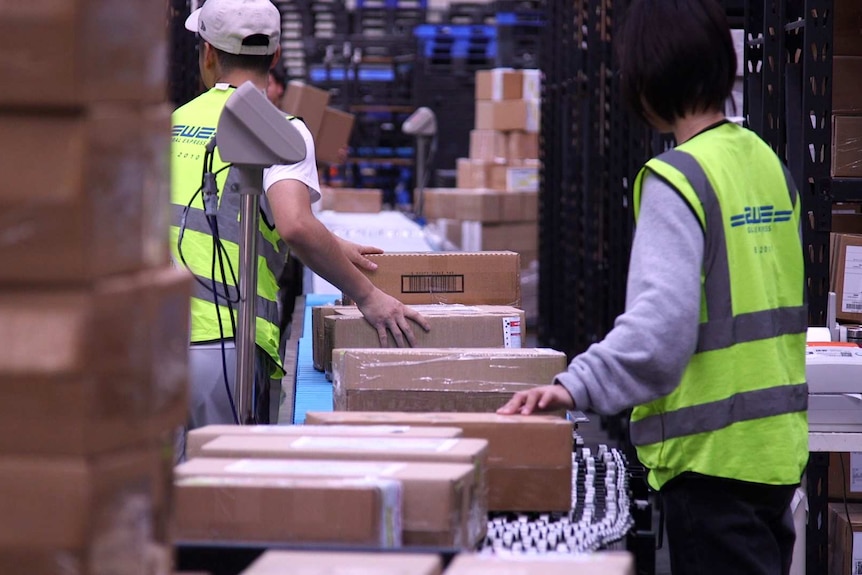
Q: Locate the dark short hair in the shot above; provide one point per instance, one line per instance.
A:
(278, 73)
(675, 56)
(255, 63)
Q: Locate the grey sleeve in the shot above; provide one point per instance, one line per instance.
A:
(645, 354)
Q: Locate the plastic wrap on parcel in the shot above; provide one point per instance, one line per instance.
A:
(85, 195)
(438, 379)
(364, 512)
(437, 497)
(115, 370)
(106, 514)
(847, 146)
(452, 325)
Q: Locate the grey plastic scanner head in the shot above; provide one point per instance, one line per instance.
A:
(253, 132)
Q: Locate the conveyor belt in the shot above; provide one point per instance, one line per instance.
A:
(313, 391)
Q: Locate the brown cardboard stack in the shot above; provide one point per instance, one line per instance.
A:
(845, 477)
(843, 556)
(329, 127)
(520, 476)
(281, 562)
(847, 90)
(351, 200)
(495, 204)
(93, 368)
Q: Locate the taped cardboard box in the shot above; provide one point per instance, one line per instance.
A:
(115, 370)
(488, 145)
(847, 285)
(364, 512)
(281, 562)
(490, 206)
(451, 325)
(352, 200)
(480, 174)
(847, 145)
(334, 135)
(522, 145)
(508, 115)
(469, 278)
(520, 477)
(847, 85)
(436, 504)
(307, 102)
(197, 438)
(438, 380)
(499, 84)
(84, 195)
(604, 563)
(74, 53)
(847, 28)
(845, 477)
(473, 452)
(509, 236)
(109, 510)
(318, 355)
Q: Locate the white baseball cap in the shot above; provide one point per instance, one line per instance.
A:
(226, 23)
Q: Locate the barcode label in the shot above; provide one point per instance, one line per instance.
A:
(431, 283)
(853, 307)
(857, 567)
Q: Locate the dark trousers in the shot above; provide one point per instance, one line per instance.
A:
(724, 526)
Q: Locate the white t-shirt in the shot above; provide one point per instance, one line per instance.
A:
(304, 171)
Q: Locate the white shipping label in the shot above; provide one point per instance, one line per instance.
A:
(533, 116)
(851, 300)
(374, 444)
(856, 555)
(314, 468)
(512, 332)
(856, 472)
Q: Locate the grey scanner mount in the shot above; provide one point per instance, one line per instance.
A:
(252, 134)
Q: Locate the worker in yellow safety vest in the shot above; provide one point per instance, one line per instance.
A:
(238, 41)
(710, 351)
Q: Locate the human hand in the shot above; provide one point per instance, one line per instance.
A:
(543, 398)
(356, 254)
(384, 312)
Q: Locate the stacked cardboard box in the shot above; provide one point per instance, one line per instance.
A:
(495, 203)
(329, 126)
(847, 90)
(845, 281)
(351, 200)
(281, 562)
(520, 477)
(93, 370)
(604, 563)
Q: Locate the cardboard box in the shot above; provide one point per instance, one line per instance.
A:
(847, 85)
(364, 512)
(334, 136)
(85, 195)
(508, 115)
(307, 102)
(109, 510)
(522, 145)
(74, 53)
(847, 286)
(113, 370)
(488, 145)
(437, 503)
(489, 206)
(438, 380)
(352, 200)
(197, 438)
(847, 28)
(516, 237)
(845, 477)
(490, 278)
(520, 477)
(532, 89)
(499, 84)
(451, 326)
(603, 563)
(847, 145)
(281, 562)
(845, 539)
(479, 174)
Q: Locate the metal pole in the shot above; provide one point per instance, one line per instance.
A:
(421, 153)
(250, 188)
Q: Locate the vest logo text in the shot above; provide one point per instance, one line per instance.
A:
(193, 133)
(757, 219)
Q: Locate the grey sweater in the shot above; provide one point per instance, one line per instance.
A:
(645, 354)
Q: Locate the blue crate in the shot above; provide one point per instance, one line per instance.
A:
(536, 19)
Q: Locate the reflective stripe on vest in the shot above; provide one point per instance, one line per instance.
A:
(264, 307)
(722, 330)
